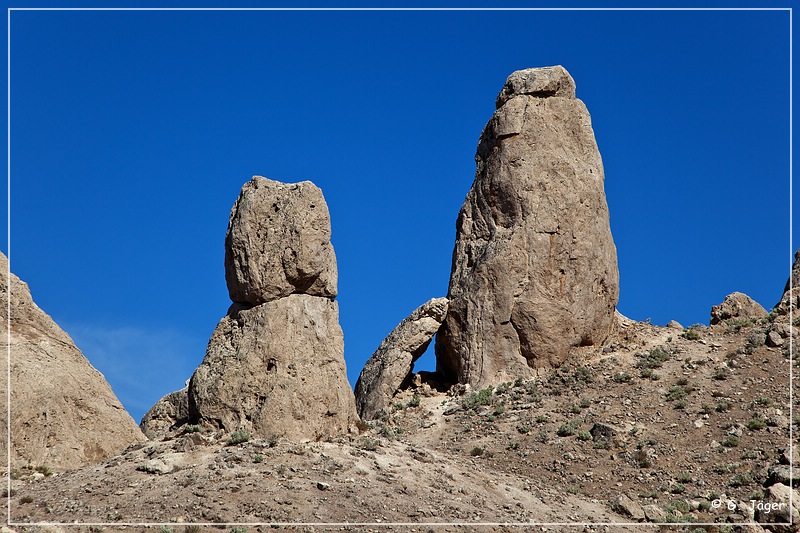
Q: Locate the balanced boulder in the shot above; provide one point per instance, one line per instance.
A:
(274, 365)
(279, 243)
(393, 362)
(63, 412)
(534, 267)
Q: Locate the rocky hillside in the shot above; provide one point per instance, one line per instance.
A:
(63, 412)
(655, 426)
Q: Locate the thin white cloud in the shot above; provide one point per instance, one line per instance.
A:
(140, 364)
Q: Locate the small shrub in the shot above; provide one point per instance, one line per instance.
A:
(541, 419)
(730, 442)
(585, 403)
(706, 409)
(499, 409)
(397, 407)
(476, 451)
(675, 392)
(583, 375)
(678, 488)
(682, 382)
(721, 374)
(584, 435)
(192, 428)
(44, 470)
(238, 437)
(575, 410)
(513, 446)
(655, 358)
(741, 479)
(366, 443)
(756, 424)
(414, 401)
(273, 441)
(165, 529)
(691, 334)
(722, 407)
(684, 477)
(763, 401)
(258, 459)
(524, 428)
(191, 529)
(681, 404)
(568, 429)
(238, 530)
(390, 432)
(477, 399)
(622, 377)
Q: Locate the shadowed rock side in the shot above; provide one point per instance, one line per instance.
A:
(274, 365)
(63, 412)
(393, 361)
(279, 243)
(782, 328)
(534, 267)
(168, 413)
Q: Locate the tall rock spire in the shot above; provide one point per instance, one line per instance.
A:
(534, 267)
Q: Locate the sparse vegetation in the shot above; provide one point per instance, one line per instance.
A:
(756, 423)
(414, 401)
(366, 443)
(238, 437)
(568, 428)
(654, 358)
(477, 399)
(691, 334)
(192, 428)
(476, 451)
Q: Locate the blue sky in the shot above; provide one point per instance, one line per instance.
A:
(133, 131)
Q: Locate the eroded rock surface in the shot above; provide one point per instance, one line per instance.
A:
(276, 369)
(737, 305)
(534, 267)
(275, 364)
(169, 412)
(63, 412)
(278, 243)
(393, 361)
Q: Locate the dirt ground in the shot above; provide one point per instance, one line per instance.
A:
(687, 426)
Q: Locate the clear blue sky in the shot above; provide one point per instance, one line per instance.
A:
(133, 131)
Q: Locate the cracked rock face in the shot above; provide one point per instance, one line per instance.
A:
(736, 305)
(279, 243)
(274, 365)
(534, 267)
(393, 361)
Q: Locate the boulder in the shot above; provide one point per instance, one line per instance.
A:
(627, 507)
(274, 365)
(278, 243)
(276, 369)
(393, 361)
(64, 414)
(168, 413)
(737, 305)
(534, 267)
(780, 509)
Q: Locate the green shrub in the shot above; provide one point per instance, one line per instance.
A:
(476, 451)
(741, 479)
(366, 443)
(691, 334)
(477, 399)
(414, 401)
(675, 392)
(192, 428)
(655, 358)
(258, 459)
(238, 437)
(584, 435)
(756, 423)
(622, 377)
(730, 442)
(568, 429)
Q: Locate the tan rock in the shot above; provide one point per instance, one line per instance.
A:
(168, 413)
(776, 512)
(276, 369)
(534, 268)
(393, 361)
(278, 243)
(737, 305)
(63, 412)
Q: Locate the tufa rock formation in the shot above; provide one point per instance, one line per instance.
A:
(534, 267)
(279, 243)
(275, 364)
(393, 362)
(168, 413)
(736, 305)
(63, 412)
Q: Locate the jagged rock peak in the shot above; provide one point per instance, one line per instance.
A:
(540, 82)
(279, 243)
(534, 267)
(393, 361)
(64, 414)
